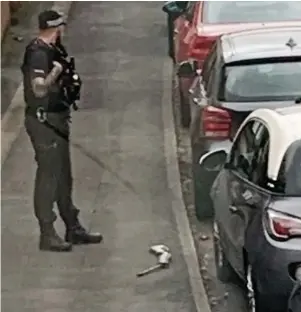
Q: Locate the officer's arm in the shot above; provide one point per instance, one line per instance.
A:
(41, 82)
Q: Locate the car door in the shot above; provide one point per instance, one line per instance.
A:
(185, 28)
(258, 199)
(246, 199)
(232, 191)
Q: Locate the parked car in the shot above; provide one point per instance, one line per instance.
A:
(257, 198)
(175, 9)
(201, 22)
(259, 68)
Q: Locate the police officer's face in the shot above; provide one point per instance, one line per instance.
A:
(61, 30)
(59, 33)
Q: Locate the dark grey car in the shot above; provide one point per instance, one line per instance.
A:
(244, 71)
(257, 222)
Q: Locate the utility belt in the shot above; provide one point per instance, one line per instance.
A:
(48, 117)
(29, 110)
(41, 114)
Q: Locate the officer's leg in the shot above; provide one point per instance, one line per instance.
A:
(45, 147)
(75, 232)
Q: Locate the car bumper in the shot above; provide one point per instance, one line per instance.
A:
(271, 265)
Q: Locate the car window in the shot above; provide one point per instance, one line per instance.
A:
(212, 72)
(244, 149)
(190, 10)
(221, 12)
(261, 82)
(289, 177)
(259, 174)
(208, 65)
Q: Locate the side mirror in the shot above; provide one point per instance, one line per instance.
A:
(175, 8)
(214, 160)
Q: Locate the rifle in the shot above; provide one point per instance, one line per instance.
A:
(71, 81)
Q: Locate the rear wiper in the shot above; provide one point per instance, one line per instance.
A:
(298, 100)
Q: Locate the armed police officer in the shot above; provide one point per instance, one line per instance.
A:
(47, 118)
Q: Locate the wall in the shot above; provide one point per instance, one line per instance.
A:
(5, 16)
(6, 8)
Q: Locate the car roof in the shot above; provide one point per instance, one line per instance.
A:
(266, 42)
(284, 125)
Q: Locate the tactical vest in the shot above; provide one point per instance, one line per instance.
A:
(55, 96)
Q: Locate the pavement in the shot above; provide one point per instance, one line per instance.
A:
(126, 179)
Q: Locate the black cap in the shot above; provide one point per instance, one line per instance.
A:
(49, 19)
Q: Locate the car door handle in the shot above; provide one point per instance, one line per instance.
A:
(233, 209)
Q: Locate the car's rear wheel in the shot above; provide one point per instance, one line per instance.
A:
(224, 270)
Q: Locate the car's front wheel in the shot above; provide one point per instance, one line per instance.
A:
(254, 301)
(224, 270)
(251, 291)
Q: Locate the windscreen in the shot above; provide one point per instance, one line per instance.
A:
(289, 178)
(262, 82)
(226, 12)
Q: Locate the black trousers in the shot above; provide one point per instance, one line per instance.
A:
(53, 182)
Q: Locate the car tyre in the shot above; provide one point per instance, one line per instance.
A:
(254, 302)
(185, 109)
(224, 271)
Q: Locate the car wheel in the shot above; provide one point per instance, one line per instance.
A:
(251, 301)
(185, 109)
(254, 302)
(224, 270)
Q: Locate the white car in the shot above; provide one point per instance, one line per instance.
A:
(256, 199)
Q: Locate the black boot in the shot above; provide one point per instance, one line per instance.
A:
(50, 240)
(78, 235)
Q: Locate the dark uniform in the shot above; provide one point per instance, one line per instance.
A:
(50, 140)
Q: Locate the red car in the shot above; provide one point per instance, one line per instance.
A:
(198, 25)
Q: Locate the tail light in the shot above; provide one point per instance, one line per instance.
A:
(216, 122)
(281, 226)
(200, 46)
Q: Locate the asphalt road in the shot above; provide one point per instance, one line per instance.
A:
(119, 175)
